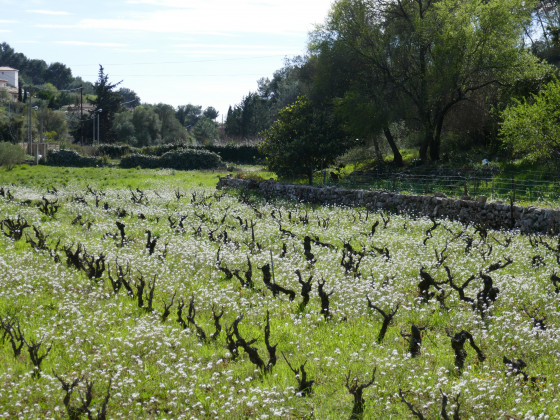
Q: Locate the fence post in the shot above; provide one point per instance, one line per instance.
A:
(513, 189)
(511, 200)
(475, 185)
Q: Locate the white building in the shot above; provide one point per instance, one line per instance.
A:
(10, 75)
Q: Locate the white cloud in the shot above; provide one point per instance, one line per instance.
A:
(48, 12)
(218, 16)
(202, 50)
(54, 26)
(6, 21)
(138, 50)
(162, 3)
(4, 31)
(91, 44)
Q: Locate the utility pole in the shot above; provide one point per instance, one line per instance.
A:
(81, 115)
(29, 130)
(29, 140)
(98, 115)
(81, 88)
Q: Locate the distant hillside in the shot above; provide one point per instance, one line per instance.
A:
(37, 72)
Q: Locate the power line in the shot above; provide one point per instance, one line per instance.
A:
(70, 90)
(185, 62)
(180, 75)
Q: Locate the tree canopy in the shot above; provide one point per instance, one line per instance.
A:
(532, 127)
(433, 54)
(107, 103)
(303, 139)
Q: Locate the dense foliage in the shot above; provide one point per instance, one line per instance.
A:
(114, 151)
(240, 154)
(11, 154)
(428, 75)
(71, 158)
(302, 140)
(531, 127)
(59, 97)
(37, 72)
(258, 110)
(182, 159)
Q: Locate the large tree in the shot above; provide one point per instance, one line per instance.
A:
(435, 53)
(303, 139)
(123, 127)
(258, 110)
(129, 98)
(188, 115)
(171, 129)
(107, 103)
(147, 126)
(362, 98)
(51, 124)
(59, 75)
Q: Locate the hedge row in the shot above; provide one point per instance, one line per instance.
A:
(248, 155)
(115, 151)
(71, 158)
(144, 157)
(229, 153)
(183, 159)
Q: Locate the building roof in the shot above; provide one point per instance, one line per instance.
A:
(7, 69)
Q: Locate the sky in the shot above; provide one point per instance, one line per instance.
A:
(202, 52)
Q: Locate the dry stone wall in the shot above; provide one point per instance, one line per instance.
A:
(479, 212)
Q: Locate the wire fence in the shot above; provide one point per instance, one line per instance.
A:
(503, 187)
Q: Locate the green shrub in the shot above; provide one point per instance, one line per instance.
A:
(115, 151)
(161, 149)
(183, 159)
(11, 154)
(248, 155)
(188, 159)
(137, 160)
(71, 158)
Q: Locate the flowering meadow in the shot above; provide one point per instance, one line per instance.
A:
(191, 302)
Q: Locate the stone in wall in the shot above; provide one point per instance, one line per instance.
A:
(478, 212)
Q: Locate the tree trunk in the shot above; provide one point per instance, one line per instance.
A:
(397, 157)
(428, 139)
(436, 139)
(434, 150)
(310, 176)
(378, 154)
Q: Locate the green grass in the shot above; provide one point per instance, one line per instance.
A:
(160, 370)
(48, 176)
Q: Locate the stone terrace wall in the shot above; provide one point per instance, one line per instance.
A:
(476, 212)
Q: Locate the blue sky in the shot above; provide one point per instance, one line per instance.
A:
(204, 52)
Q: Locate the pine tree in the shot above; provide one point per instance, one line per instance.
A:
(107, 103)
